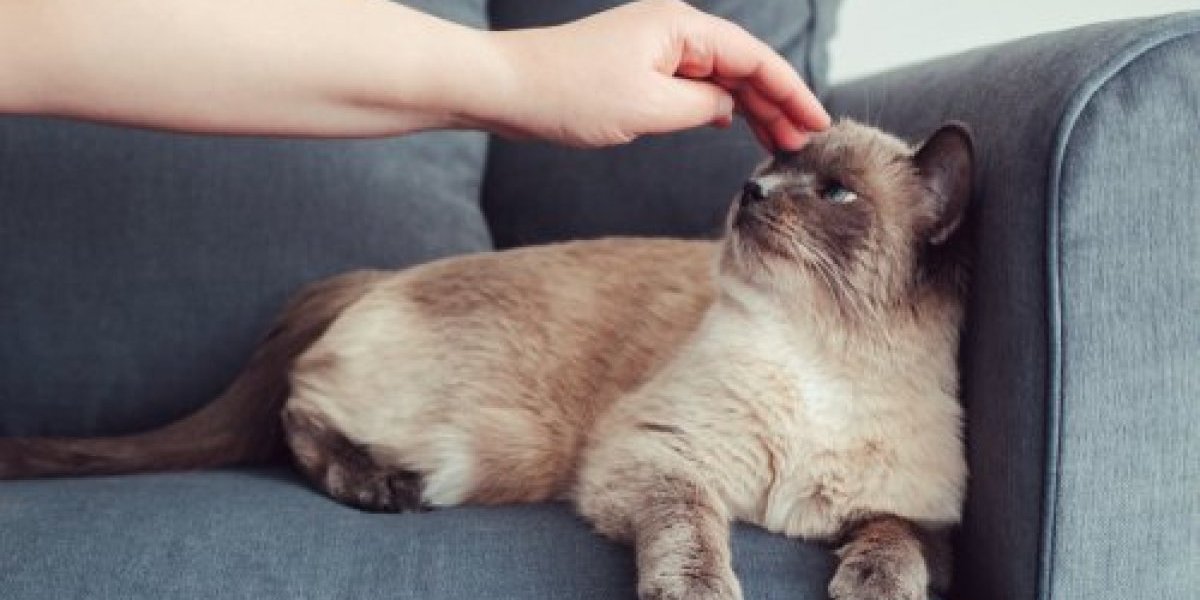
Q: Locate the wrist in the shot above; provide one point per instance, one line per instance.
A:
(496, 91)
(446, 75)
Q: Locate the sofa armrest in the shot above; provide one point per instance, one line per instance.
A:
(1082, 350)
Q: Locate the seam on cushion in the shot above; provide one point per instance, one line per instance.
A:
(1079, 102)
(810, 31)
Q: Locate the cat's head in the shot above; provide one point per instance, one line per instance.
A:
(856, 214)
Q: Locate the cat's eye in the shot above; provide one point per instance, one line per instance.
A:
(837, 193)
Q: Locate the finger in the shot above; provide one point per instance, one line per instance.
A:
(770, 117)
(790, 138)
(692, 103)
(695, 62)
(738, 56)
(698, 62)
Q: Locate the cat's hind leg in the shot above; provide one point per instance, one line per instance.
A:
(346, 471)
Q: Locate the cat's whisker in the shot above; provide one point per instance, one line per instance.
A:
(781, 376)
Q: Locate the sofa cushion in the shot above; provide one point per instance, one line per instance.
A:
(261, 534)
(679, 184)
(138, 269)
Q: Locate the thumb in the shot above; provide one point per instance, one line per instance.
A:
(691, 103)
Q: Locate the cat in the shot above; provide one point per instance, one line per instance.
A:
(798, 374)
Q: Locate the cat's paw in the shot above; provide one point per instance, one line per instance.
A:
(690, 587)
(875, 578)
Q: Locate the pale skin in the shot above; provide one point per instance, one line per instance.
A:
(363, 68)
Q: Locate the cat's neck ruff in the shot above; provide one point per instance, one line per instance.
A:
(899, 357)
(803, 309)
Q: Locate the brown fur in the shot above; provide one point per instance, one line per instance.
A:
(347, 471)
(667, 387)
(682, 549)
(582, 323)
(240, 426)
(890, 557)
(836, 324)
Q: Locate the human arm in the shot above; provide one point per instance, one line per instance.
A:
(371, 68)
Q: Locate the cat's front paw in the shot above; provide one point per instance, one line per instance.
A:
(878, 578)
(690, 587)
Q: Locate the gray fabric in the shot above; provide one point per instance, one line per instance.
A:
(1082, 346)
(1126, 245)
(262, 535)
(678, 185)
(138, 269)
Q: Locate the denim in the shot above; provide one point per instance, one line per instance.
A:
(1083, 334)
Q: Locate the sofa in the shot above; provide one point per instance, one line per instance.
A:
(138, 269)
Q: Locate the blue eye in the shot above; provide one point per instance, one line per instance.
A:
(837, 193)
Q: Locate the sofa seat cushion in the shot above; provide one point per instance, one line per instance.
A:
(261, 534)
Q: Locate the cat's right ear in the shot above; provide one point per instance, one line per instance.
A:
(946, 165)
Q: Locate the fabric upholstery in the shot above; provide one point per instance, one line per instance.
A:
(1083, 339)
(138, 269)
(261, 535)
(678, 185)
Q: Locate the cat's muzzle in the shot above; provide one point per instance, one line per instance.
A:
(753, 191)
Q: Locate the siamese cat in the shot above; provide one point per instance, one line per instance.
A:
(799, 374)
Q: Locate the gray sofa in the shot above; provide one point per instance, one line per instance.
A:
(138, 268)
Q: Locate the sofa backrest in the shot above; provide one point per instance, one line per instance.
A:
(138, 269)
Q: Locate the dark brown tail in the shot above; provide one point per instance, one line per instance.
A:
(241, 426)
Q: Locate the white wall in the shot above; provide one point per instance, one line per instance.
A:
(875, 35)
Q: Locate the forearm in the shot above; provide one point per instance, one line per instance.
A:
(373, 68)
(303, 67)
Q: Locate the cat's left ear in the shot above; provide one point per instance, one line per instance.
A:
(946, 164)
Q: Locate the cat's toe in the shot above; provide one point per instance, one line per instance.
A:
(872, 579)
(690, 587)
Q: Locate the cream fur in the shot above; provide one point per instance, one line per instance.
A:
(684, 383)
(792, 431)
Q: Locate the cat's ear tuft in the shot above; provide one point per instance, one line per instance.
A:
(946, 165)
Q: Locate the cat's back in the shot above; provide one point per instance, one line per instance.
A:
(446, 365)
(531, 281)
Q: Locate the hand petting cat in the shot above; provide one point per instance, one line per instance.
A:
(652, 67)
(351, 68)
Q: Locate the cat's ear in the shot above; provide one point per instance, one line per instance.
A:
(946, 164)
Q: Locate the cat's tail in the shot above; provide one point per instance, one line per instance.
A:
(241, 426)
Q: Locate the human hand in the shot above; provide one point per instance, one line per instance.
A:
(342, 68)
(653, 66)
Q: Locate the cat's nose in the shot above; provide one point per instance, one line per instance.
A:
(753, 191)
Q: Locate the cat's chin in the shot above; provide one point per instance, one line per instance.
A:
(745, 259)
(788, 281)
